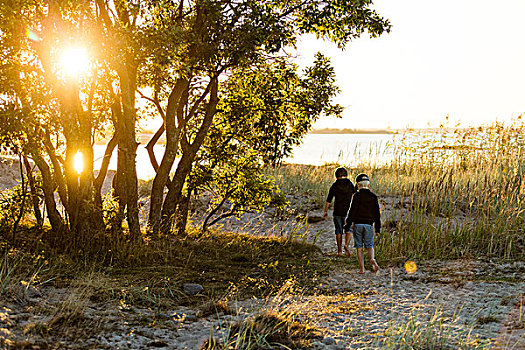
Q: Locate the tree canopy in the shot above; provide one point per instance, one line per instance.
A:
(216, 72)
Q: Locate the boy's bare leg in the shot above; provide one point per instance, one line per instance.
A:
(347, 240)
(339, 240)
(375, 266)
(361, 260)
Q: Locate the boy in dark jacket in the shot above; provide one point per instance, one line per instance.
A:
(342, 190)
(363, 217)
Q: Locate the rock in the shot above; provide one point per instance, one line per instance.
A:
(329, 341)
(32, 293)
(312, 219)
(158, 344)
(192, 288)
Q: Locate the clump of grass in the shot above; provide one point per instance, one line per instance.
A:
(267, 330)
(67, 317)
(424, 330)
(487, 319)
(215, 308)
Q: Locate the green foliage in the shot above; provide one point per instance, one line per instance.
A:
(14, 203)
(265, 111)
(340, 21)
(237, 183)
(270, 107)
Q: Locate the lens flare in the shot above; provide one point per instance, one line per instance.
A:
(410, 267)
(78, 162)
(31, 35)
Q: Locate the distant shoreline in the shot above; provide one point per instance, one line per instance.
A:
(352, 131)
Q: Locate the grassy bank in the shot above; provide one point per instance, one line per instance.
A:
(224, 264)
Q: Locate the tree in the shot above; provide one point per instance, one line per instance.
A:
(281, 106)
(271, 107)
(49, 114)
(213, 39)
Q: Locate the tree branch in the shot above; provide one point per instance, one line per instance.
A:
(151, 144)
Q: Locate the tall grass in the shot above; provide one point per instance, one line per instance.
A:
(461, 191)
(18, 272)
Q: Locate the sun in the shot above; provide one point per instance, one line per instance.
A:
(74, 61)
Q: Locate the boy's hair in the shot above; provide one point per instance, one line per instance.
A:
(341, 172)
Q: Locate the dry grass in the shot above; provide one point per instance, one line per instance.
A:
(268, 330)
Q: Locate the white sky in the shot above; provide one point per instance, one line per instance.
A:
(465, 58)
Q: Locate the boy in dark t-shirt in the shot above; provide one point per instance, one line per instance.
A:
(342, 190)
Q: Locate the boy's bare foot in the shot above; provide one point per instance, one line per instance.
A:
(339, 254)
(347, 251)
(375, 266)
(361, 272)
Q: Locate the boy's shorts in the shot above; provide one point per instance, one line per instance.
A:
(339, 222)
(363, 235)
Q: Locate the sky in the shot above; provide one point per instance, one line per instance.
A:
(462, 58)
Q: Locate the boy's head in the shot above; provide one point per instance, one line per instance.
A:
(341, 172)
(362, 181)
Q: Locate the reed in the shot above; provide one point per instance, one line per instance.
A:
(464, 188)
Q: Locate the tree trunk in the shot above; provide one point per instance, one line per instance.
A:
(83, 218)
(176, 101)
(48, 187)
(174, 196)
(34, 193)
(101, 176)
(126, 181)
(189, 151)
(181, 214)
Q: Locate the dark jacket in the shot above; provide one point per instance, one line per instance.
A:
(342, 190)
(364, 209)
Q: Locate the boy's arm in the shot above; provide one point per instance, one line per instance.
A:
(326, 206)
(328, 201)
(349, 216)
(377, 216)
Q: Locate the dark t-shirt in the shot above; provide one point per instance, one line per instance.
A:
(364, 210)
(341, 190)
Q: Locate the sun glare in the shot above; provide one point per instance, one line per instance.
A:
(78, 162)
(74, 61)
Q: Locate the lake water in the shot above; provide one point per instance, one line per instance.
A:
(347, 149)
(316, 149)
